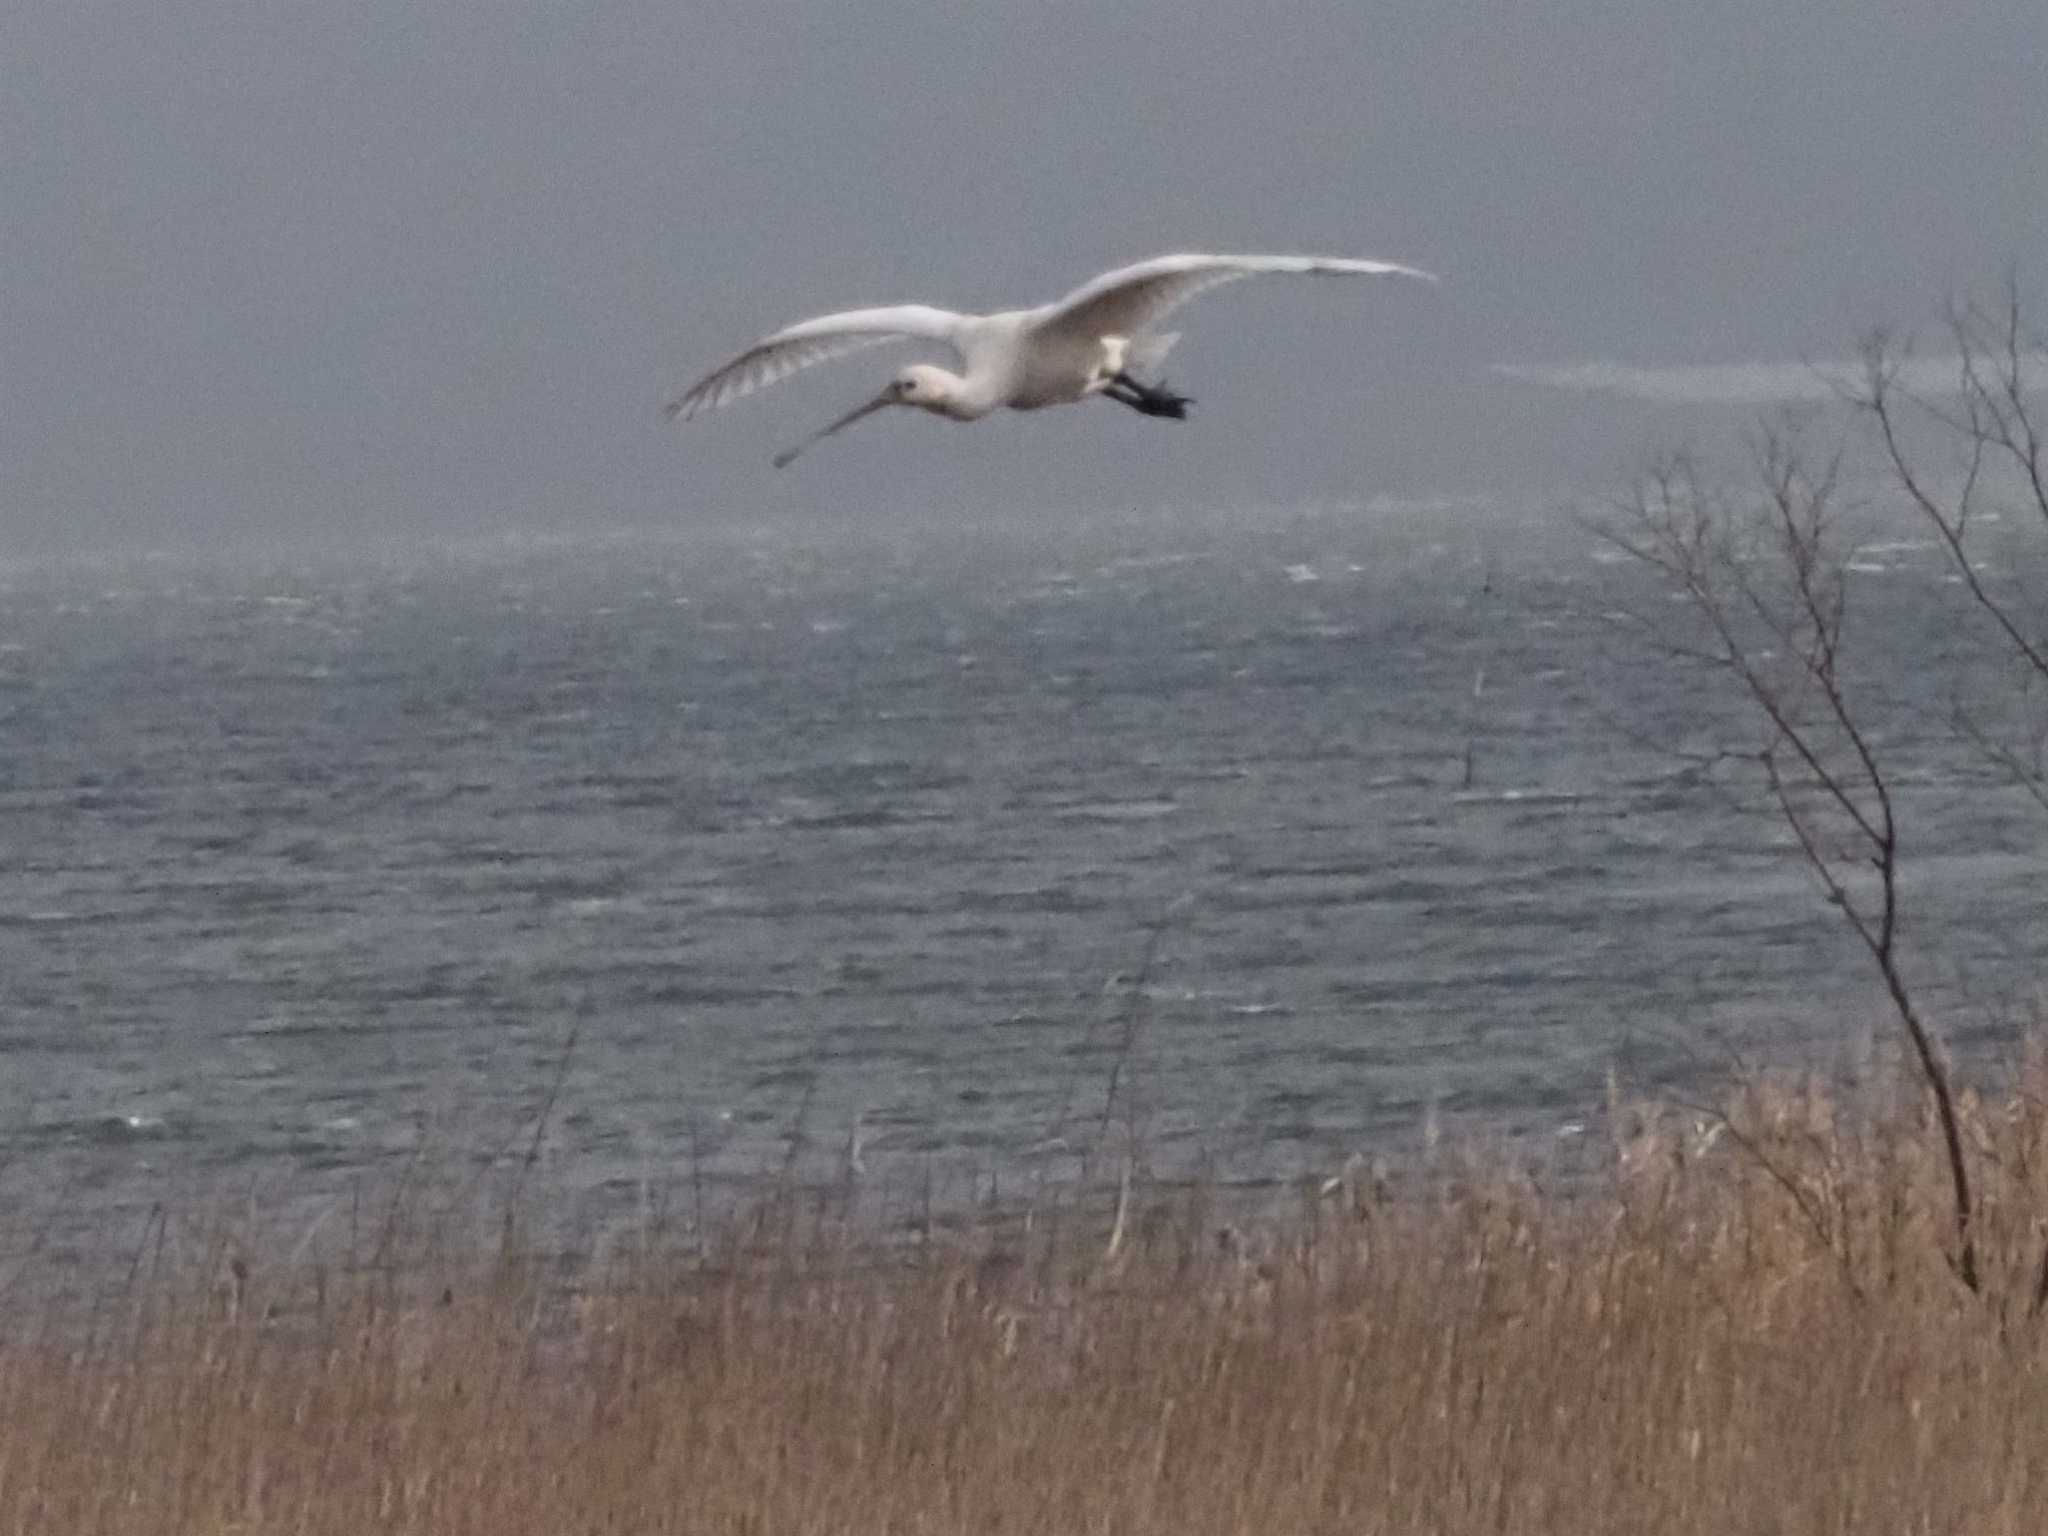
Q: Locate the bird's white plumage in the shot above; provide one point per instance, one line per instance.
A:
(1131, 300)
(777, 356)
(1051, 355)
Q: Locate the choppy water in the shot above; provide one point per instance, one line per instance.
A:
(308, 866)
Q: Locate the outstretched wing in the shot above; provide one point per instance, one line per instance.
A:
(1131, 300)
(813, 341)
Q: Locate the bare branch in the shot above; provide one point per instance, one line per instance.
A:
(1995, 414)
(1767, 580)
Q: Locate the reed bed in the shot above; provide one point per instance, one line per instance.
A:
(1748, 1322)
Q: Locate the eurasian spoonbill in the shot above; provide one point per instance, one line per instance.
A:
(1084, 344)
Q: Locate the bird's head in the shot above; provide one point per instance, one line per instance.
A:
(920, 385)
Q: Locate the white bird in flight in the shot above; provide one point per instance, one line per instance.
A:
(1085, 344)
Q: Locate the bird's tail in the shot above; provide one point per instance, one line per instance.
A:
(1146, 353)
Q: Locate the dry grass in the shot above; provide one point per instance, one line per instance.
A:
(1746, 1330)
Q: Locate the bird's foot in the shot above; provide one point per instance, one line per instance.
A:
(1148, 399)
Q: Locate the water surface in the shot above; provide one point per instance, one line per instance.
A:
(1319, 825)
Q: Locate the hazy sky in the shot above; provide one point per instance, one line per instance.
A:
(288, 270)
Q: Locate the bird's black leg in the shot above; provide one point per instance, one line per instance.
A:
(1148, 399)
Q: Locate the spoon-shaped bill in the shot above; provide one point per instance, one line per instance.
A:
(788, 455)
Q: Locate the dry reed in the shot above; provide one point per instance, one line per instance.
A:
(1747, 1324)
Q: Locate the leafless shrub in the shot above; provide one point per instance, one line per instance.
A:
(1762, 567)
(1968, 458)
